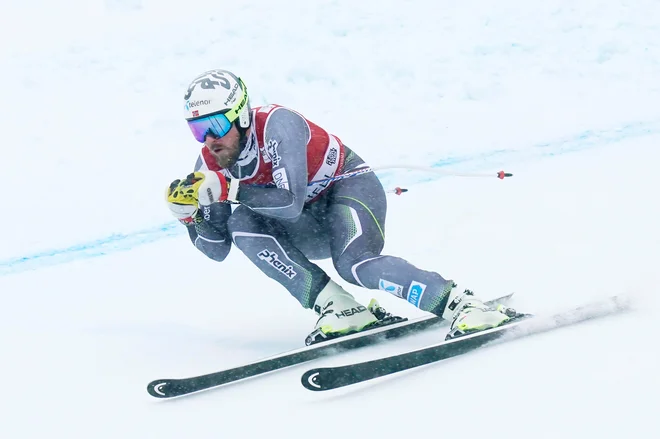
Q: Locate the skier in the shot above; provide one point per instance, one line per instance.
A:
(276, 164)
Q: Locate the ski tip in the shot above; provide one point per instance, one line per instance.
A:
(508, 296)
(501, 299)
(158, 389)
(618, 303)
(624, 302)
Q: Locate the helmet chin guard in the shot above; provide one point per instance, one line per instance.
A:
(244, 116)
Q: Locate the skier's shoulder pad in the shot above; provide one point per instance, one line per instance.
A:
(275, 117)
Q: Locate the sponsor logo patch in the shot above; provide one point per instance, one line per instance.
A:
(271, 149)
(350, 311)
(415, 293)
(274, 260)
(326, 171)
(232, 95)
(390, 287)
(280, 178)
(193, 104)
(332, 157)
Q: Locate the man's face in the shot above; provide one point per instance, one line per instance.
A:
(225, 149)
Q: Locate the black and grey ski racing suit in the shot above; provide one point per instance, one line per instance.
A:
(281, 234)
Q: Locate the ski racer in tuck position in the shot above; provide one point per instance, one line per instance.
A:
(275, 163)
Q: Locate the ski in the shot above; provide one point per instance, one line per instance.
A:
(327, 378)
(172, 387)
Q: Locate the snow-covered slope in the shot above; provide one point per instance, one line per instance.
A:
(102, 292)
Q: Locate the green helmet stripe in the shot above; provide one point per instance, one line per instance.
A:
(233, 114)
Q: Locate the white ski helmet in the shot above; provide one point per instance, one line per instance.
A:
(216, 93)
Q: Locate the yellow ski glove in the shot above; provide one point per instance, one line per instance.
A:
(200, 188)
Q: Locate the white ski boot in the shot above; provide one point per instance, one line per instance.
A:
(468, 314)
(340, 314)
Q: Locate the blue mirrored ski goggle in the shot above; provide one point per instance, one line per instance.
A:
(215, 124)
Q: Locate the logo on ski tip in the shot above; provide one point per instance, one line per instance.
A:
(415, 293)
(158, 388)
(273, 259)
(391, 287)
(312, 380)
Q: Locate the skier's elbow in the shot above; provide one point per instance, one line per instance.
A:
(216, 250)
(298, 204)
(293, 211)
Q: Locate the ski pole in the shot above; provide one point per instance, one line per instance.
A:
(366, 169)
